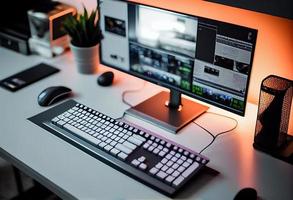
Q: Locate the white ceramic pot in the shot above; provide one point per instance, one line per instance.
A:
(87, 58)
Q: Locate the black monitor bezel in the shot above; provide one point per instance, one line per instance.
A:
(190, 94)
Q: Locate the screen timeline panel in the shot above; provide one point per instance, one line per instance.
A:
(205, 59)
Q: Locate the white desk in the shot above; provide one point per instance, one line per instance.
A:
(71, 173)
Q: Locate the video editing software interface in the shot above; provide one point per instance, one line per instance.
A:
(205, 59)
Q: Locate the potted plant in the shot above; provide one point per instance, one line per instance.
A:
(85, 33)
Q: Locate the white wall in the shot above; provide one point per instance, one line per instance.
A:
(89, 4)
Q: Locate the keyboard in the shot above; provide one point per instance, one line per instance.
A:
(140, 154)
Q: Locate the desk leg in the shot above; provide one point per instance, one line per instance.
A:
(18, 180)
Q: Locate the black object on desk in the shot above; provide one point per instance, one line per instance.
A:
(27, 77)
(106, 78)
(53, 94)
(246, 194)
(271, 131)
(134, 151)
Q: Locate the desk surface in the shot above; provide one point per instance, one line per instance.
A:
(71, 173)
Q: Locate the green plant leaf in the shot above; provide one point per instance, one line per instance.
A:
(84, 28)
(85, 12)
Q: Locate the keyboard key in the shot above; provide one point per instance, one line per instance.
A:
(142, 166)
(141, 159)
(183, 158)
(113, 143)
(125, 137)
(123, 148)
(170, 171)
(122, 155)
(146, 145)
(161, 175)
(162, 153)
(175, 166)
(102, 144)
(154, 144)
(175, 173)
(55, 119)
(135, 162)
(164, 161)
(151, 148)
(156, 151)
(190, 169)
(203, 161)
(129, 145)
(169, 179)
(178, 181)
(185, 164)
(169, 163)
(174, 159)
(134, 140)
(121, 140)
(181, 169)
(179, 161)
(81, 134)
(154, 170)
(169, 156)
(61, 117)
(108, 141)
(164, 168)
(198, 159)
(159, 165)
(61, 123)
(114, 151)
(108, 147)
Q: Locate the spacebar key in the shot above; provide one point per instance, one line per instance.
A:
(81, 134)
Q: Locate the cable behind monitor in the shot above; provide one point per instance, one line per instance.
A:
(218, 134)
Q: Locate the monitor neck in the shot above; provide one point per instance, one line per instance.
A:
(174, 101)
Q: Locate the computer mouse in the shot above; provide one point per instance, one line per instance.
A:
(106, 78)
(246, 193)
(53, 94)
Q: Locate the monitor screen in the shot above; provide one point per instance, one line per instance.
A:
(205, 59)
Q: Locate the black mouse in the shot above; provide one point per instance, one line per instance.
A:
(246, 193)
(106, 78)
(53, 94)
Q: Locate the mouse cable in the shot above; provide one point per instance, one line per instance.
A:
(124, 93)
(218, 134)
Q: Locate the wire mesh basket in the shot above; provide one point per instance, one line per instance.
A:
(273, 113)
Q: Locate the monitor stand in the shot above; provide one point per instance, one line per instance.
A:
(170, 112)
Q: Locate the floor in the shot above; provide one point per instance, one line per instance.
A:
(8, 188)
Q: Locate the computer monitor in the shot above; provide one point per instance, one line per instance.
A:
(202, 58)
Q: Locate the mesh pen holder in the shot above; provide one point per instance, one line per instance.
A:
(273, 115)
